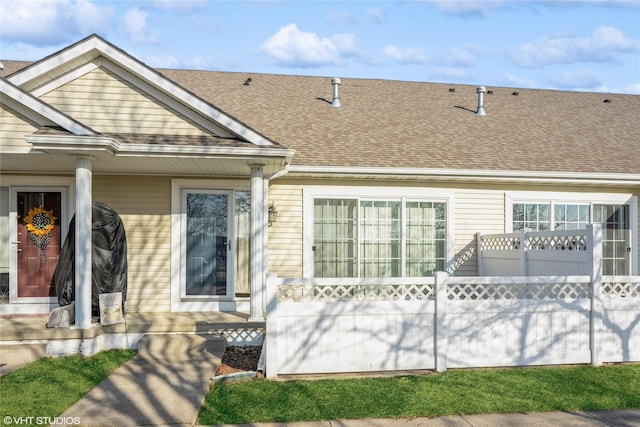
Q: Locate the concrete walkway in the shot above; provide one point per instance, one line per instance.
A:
(626, 418)
(164, 384)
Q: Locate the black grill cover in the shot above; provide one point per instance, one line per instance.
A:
(108, 259)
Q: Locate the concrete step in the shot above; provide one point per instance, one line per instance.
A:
(15, 356)
(178, 347)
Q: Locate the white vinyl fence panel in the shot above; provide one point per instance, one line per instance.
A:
(351, 325)
(620, 338)
(539, 253)
(364, 325)
(518, 321)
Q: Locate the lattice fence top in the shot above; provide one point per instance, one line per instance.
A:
(517, 291)
(501, 243)
(621, 288)
(328, 293)
(557, 243)
(538, 241)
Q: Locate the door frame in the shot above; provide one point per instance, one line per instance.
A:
(230, 259)
(36, 184)
(179, 300)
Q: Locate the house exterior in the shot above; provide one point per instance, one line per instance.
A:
(220, 178)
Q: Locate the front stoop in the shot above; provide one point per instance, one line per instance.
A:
(27, 330)
(15, 356)
(165, 384)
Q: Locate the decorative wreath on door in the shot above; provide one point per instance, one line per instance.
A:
(40, 223)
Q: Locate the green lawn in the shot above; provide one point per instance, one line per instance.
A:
(463, 391)
(47, 387)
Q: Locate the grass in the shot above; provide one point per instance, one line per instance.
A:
(454, 392)
(47, 387)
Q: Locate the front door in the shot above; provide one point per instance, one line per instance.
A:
(38, 243)
(208, 243)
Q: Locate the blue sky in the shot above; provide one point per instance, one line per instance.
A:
(585, 45)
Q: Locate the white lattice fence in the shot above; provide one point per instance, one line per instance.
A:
(542, 253)
(350, 325)
(620, 337)
(363, 325)
(517, 321)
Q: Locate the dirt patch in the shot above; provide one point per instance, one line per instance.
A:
(239, 359)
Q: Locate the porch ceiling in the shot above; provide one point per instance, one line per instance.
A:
(39, 162)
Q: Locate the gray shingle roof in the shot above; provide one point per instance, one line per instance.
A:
(385, 123)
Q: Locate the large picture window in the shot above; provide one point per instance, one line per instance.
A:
(358, 237)
(571, 213)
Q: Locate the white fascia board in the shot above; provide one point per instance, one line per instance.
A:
(77, 144)
(46, 65)
(145, 150)
(177, 92)
(72, 143)
(94, 46)
(65, 78)
(40, 108)
(468, 175)
(173, 103)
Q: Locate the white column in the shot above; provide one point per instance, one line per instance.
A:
(83, 242)
(257, 243)
(265, 242)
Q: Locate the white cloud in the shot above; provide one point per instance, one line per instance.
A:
(580, 79)
(292, 47)
(459, 57)
(405, 55)
(601, 46)
(50, 23)
(520, 82)
(134, 25)
(449, 74)
(341, 17)
(162, 61)
(633, 89)
(377, 15)
(468, 7)
(180, 5)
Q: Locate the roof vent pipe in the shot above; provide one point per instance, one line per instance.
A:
(481, 90)
(336, 98)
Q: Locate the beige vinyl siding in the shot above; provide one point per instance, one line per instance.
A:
(285, 236)
(144, 204)
(475, 211)
(477, 208)
(13, 129)
(109, 104)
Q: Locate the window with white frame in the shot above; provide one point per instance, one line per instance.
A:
(373, 237)
(571, 212)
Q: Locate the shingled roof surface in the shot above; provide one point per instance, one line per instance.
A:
(399, 124)
(384, 123)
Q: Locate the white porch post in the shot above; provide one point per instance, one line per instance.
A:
(257, 243)
(265, 243)
(83, 242)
